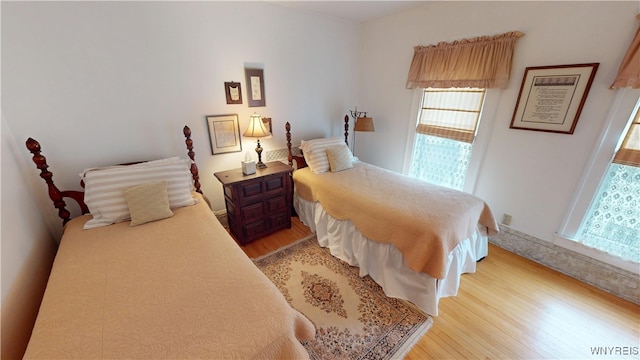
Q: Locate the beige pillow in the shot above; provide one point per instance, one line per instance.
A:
(148, 202)
(339, 158)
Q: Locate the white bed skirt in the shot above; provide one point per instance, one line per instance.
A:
(384, 262)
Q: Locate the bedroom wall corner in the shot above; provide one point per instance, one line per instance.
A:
(27, 252)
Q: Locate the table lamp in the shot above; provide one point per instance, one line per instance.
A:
(257, 129)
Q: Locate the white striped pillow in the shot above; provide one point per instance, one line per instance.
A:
(315, 152)
(104, 187)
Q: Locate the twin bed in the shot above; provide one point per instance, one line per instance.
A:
(164, 281)
(413, 238)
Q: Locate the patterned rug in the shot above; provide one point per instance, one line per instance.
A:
(353, 317)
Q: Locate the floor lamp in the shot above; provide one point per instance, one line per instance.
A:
(362, 123)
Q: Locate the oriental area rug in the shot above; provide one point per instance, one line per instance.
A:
(353, 317)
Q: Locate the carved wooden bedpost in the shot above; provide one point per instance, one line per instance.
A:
(287, 127)
(54, 193)
(346, 129)
(192, 155)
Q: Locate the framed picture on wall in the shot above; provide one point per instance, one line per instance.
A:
(224, 133)
(233, 92)
(255, 87)
(551, 97)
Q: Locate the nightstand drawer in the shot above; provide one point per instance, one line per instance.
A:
(249, 192)
(280, 220)
(277, 203)
(274, 185)
(251, 212)
(254, 230)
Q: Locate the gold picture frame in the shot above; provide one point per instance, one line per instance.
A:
(224, 133)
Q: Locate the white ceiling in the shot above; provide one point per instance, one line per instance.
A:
(358, 10)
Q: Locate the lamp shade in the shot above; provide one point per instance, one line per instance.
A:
(256, 128)
(364, 124)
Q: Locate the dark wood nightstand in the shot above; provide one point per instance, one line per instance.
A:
(257, 204)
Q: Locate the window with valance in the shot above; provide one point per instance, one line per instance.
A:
(453, 78)
(612, 221)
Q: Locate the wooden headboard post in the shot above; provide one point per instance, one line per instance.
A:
(300, 162)
(54, 193)
(58, 196)
(194, 168)
(346, 129)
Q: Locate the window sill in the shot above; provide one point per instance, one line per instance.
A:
(596, 254)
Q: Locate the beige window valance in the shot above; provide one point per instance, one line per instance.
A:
(482, 62)
(629, 72)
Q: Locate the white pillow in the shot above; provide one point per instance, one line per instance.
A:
(315, 152)
(104, 187)
(169, 160)
(339, 158)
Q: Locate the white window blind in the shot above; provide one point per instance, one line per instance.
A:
(629, 152)
(451, 113)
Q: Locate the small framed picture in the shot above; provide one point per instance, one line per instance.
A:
(551, 97)
(233, 92)
(255, 87)
(224, 133)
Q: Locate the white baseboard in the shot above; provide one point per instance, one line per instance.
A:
(221, 215)
(617, 281)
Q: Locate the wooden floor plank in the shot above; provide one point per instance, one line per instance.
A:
(512, 308)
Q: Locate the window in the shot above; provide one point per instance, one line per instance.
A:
(445, 132)
(612, 223)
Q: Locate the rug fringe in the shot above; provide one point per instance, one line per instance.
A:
(284, 247)
(413, 339)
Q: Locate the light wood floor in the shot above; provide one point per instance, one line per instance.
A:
(513, 308)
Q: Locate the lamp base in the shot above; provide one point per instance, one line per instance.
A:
(260, 164)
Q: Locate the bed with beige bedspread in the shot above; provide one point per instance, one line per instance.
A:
(174, 288)
(424, 221)
(413, 238)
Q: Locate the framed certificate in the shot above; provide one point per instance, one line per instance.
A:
(551, 97)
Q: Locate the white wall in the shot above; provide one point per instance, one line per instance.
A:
(98, 82)
(108, 82)
(103, 82)
(530, 175)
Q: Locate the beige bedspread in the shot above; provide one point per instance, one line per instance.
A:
(424, 221)
(178, 288)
